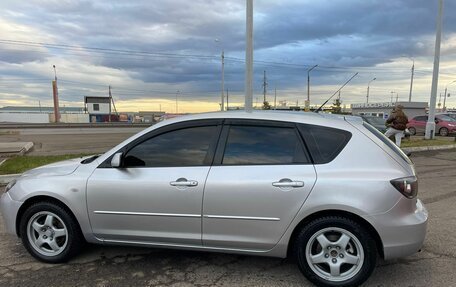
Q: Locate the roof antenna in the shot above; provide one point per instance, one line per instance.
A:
(319, 109)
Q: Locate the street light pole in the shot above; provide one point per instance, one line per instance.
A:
(411, 80)
(249, 57)
(430, 125)
(367, 97)
(307, 104)
(445, 96)
(223, 80)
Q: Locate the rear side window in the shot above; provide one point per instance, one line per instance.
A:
(259, 145)
(324, 143)
(421, 118)
(388, 142)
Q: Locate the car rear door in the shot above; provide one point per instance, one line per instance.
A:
(261, 176)
(156, 196)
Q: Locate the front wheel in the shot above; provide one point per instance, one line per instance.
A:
(412, 131)
(335, 251)
(50, 233)
(443, 132)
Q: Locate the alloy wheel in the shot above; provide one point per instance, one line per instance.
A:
(334, 254)
(47, 233)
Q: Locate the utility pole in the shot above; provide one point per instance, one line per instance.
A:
(430, 125)
(55, 92)
(249, 57)
(227, 99)
(275, 99)
(392, 96)
(223, 80)
(39, 104)
(265, 84)
(440, 102)
(307, 104)
(110, 100)
(411, 81)
(176, 100)
(397, 97)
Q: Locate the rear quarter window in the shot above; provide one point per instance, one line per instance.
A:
(324, 143)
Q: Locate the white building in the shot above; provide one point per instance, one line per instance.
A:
(411, 109)
(98, 105)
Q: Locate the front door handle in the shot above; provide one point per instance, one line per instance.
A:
(285, 182)
(183, 182)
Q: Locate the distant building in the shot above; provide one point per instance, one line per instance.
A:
(42, 115)
(411, 109)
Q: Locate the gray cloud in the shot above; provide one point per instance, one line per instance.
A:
(334, 34)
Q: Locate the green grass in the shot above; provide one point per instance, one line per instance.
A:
(423, 142)
(20, 164)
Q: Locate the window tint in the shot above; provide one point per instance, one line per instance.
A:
(185, 147)
(263, 145)
(388, 142)
(421, 118)
(324, 143)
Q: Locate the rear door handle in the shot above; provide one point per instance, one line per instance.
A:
(288, 183)
(184, 182)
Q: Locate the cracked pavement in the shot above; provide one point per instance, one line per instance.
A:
(128, 266)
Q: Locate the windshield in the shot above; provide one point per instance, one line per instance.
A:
(446, 118)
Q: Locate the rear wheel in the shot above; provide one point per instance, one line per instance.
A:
(412, 131)
(443, 132)
(335, 251)
(50, 233)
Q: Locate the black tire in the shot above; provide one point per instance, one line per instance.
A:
(306, 240)
(443, 132)
(73, 240)
(412, 131)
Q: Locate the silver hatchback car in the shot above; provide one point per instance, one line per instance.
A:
(330, 191)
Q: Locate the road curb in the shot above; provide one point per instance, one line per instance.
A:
(5, 179)
(429, 148)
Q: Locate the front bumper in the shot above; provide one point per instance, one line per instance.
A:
(402, 229)
(9, 209)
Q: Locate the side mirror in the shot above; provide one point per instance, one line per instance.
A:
(116, 160)
(436, 121)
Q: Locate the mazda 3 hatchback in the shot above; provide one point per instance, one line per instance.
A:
(330, 191)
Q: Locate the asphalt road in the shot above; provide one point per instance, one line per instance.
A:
(122, 266)
(70, 140)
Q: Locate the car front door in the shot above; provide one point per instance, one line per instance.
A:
(421, 124)
(260, 178)
(156, 195)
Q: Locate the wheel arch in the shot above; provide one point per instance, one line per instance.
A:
(36, 199)
(333, 212)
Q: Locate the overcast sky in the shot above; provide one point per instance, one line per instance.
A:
(149, 50)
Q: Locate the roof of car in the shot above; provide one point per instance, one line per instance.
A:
(289, 116)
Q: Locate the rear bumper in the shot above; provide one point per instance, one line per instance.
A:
(402, 229)
(9, 209)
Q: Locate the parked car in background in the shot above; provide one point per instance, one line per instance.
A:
(445, 125)
(331, 191)
(376, 122)
(451, 115)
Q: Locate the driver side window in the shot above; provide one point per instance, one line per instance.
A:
(183, 147)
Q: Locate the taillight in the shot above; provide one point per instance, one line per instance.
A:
(408, 186)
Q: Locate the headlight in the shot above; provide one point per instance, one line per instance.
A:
(10, 185)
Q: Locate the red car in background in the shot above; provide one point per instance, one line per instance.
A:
(445, 125)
